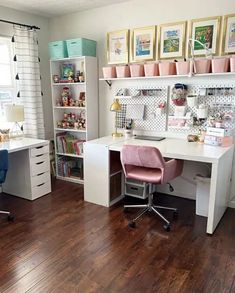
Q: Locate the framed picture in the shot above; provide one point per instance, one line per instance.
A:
(172, 40)
(143, 43)
(118, 47)
(228, 39)
(207, 32)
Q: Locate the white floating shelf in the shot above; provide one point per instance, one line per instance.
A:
(179, 127)
(70, 129)
(68, 59)
(69, 155)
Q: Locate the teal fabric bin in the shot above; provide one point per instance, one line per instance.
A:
(81, 47)
(58, 50)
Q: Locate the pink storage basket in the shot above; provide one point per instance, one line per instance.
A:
(137, 70)
(109, 72)
(151, 69)
(202, 66)
(123, 71)
(220, 65)
(167, 68)
(232, 64)
(182, 67)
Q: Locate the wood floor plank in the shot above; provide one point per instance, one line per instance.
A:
(59, 243)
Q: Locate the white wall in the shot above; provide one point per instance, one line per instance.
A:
(43, 35)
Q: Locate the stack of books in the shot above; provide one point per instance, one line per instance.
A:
(68, 144)
(218, 136)
(70, 168)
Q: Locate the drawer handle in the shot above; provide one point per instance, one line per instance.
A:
(40, 184)
(39, 147)
(37, 156)
(134, 188)
(39, 163)
(40, 174)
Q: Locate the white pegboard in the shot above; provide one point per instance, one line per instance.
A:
(150, 96)
(163, 94)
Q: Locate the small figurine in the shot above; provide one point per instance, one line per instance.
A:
(56, 78)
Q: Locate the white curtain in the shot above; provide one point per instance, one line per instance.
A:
(29, 80)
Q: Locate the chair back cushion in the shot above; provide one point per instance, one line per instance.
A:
(142, 156)
(3, 165)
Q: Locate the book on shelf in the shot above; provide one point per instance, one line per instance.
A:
(69, 144)
(72, 168)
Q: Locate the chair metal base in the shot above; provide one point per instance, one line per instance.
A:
(9, 216)
(150, 207)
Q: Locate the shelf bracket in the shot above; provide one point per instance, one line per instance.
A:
(109, 83)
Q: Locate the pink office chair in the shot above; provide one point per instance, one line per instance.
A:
(146, 164)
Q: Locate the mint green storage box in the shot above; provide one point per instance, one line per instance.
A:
(58, 50)
(81, 47)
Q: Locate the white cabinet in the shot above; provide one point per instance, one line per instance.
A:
(28, 175)
(76, 119)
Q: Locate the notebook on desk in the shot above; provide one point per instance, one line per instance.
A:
(146, 137)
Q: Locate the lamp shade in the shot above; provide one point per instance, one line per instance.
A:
(14, 113)
(116, 106)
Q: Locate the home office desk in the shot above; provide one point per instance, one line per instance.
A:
(102, 165)
(28, 175)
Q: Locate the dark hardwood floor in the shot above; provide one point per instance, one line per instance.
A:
(59, 243)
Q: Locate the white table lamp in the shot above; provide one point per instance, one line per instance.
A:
(208, 52)
(15, 113)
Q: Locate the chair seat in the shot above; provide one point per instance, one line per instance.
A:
(148, 175)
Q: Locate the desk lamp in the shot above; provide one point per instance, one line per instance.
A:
(208, 52)
(15, 113)
(116, 107)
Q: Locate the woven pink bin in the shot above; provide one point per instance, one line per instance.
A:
(232, 64)
(182, 67)
(167, 68)
(202, 66)
(123, 71)
(220, 65)
(151, 69)
(109, 72)
(137, 70)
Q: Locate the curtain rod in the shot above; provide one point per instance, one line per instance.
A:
(21, 24)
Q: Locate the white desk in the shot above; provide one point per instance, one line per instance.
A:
(28, 175)
(101, 163)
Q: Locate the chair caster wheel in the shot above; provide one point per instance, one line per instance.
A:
(167, 227)
(10, 218)
(132, 224)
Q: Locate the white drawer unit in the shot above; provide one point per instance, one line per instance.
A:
(28, 175)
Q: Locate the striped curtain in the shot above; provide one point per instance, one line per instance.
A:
(28, 80)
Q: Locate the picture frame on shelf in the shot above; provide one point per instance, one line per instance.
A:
(143, 44)
(228, 37)
(118, 47)
(172, 38)
(207, 31)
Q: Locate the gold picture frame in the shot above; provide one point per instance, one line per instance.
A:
(172, 40)
(143, 44)
(228, 36)
(118, 47)
(205, 30)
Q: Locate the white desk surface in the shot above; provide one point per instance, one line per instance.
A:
(19, 144)
(170, 148)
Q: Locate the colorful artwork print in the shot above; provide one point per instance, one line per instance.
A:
(117, 47)
(171, 41)
(204, 34)
(231, 36)
(143, 43)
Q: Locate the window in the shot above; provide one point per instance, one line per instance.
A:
(7, 82)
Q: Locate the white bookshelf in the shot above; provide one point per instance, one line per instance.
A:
(90, 87)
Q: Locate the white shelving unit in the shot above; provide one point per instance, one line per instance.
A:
(90, 86)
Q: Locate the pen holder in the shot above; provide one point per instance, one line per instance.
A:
(128, 133)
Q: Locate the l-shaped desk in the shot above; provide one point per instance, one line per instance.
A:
(102, 170)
